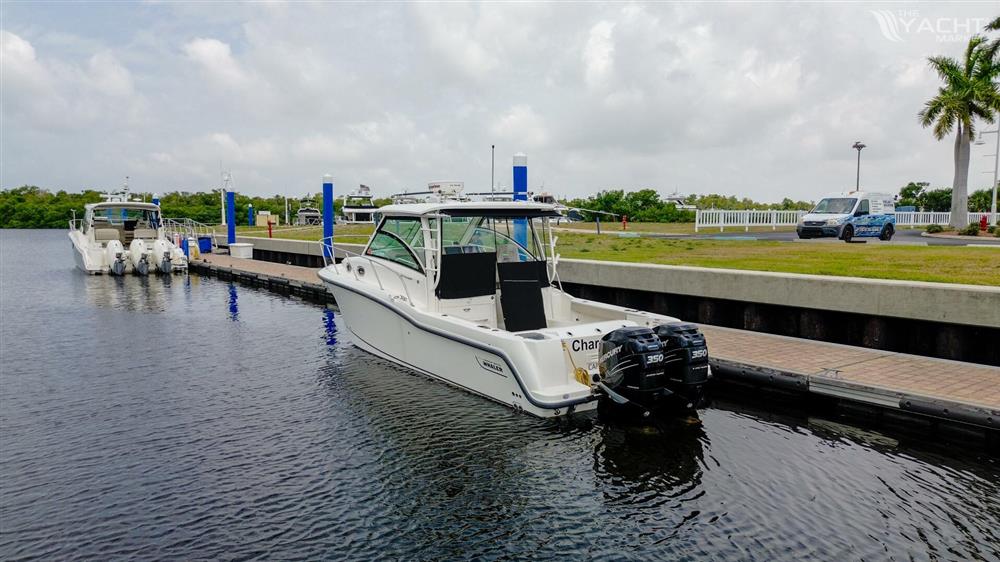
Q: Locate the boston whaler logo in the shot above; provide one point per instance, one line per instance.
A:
(491, 366)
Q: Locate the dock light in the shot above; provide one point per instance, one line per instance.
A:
(858, 146)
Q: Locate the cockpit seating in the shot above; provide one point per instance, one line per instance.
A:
(521, 294)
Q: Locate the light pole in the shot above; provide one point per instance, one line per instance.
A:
(996, 164)
(493, 165)
(858, 146)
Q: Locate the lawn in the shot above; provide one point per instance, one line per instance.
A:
(662, 227)
(943, 264)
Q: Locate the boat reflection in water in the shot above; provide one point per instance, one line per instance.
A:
(128, 293)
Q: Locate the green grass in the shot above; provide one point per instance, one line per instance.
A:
(942, 264)
(662, 227)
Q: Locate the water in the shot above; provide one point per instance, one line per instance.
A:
(188, 418)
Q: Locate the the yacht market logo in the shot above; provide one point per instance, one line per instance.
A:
(898, 25)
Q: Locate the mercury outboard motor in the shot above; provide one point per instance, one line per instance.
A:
(663, 367)
(685, 360)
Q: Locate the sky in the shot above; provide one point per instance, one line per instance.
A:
(760, 100)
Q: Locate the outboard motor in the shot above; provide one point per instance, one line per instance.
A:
(631, 366)
(667, 366)
(137, 255)
(161, 256)
(685, 359)
(114, 254)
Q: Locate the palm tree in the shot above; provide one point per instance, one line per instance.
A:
(969, 92)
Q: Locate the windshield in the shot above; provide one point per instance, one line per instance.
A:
(468, 235)
(129, 217)
(836, 205)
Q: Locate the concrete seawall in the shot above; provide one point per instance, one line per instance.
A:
(972, 305)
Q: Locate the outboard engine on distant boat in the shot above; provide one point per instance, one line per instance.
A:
(114, 255)
(161, 256)
(664, 366)
(138, 255)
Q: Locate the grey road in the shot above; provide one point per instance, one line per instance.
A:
(903, 236)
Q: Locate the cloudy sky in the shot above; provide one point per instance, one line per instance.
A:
(761, 100)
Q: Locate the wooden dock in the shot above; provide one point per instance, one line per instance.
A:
(966, 393)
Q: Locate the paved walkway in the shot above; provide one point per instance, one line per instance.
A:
(290, 272)
(883, 375)
(891, 373)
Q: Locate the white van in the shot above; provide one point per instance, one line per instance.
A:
(854, 214)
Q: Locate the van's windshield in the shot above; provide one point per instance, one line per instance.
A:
(836, 205)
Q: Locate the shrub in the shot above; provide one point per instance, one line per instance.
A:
(971, 230)
(932, 228)
(996, 232)
(991, 229)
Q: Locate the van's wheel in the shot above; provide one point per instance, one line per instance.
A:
(847, 233)
(887, 232)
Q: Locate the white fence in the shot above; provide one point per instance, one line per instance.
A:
(717, 218)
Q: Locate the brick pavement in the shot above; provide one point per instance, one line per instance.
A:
(956, 381)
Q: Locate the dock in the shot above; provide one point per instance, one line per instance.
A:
(926, 387)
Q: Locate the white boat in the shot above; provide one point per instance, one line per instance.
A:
(469, 293)
(118, 236)
(359, 206)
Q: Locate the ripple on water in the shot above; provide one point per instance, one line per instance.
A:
(189, 418)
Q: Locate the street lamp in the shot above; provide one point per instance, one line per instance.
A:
(858, 146)
(996, 162)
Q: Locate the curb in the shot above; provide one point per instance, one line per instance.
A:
(965, 238)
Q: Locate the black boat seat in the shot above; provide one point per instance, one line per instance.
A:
(467, 275)
(521, 294)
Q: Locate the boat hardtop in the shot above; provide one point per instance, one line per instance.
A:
(468, 292)
(525, 209)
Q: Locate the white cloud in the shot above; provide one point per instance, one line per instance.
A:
(598, 54)
(520, 124)
(216, 60)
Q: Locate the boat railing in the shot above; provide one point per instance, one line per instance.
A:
(187, 228)
(329, 259)
(76, 224)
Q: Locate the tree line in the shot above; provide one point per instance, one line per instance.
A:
(30, 206)
(918, 194)
(33, 207)
(646, 205)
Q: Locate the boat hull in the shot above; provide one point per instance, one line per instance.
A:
(491, 369)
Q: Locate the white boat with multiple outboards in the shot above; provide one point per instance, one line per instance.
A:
(118, 236)
(469, 293)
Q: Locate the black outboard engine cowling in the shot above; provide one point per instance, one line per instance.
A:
(685, 360)
(664, 366)
(631, 364)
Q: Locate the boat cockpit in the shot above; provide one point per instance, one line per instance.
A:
(487, 265)
(123, 222)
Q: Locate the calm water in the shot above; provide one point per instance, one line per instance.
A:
(189, 418)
